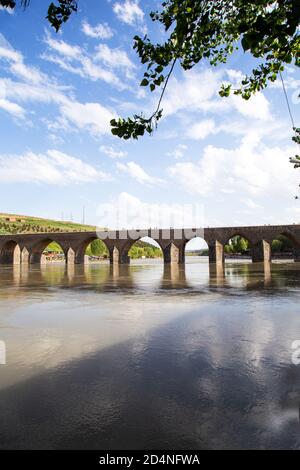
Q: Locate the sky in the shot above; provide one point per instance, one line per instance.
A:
(212, 161)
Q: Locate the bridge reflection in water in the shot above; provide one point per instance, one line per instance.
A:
(146, 275)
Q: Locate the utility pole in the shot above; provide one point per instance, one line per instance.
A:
(83, 214)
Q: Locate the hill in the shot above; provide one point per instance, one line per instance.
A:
(12, 224)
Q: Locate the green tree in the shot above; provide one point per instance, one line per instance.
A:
(54, 248)
(237, 244)
(287, 244)
(276, 246)
(228, 249)
(282, 244)
(142, 249)
(213, 30)
(98, 248)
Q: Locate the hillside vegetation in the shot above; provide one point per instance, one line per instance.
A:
(12, 224)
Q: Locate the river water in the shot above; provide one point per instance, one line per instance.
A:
(145, 357)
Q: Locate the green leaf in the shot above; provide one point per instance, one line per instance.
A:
(245, 43)
(115, 131)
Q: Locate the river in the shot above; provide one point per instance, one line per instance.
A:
(143, 357)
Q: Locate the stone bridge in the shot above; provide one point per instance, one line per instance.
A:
(29, 248)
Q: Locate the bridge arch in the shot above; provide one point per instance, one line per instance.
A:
(85, 249)
(10, 253)
(285, 244)
(141, 248)
(196, 246)
(38, 254)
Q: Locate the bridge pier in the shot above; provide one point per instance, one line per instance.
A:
(25, 256)
(117, 255)
(174, 253)
(79, 258)
(76, 254)
(261, 252)
(216, 253)
(35, 258)
(70, 257)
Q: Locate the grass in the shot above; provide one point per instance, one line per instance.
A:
(13, 223)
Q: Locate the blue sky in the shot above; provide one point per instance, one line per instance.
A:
(59, 91)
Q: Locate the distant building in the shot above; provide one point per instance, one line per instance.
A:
(14, 219)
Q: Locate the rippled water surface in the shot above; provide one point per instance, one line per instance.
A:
(150, 357)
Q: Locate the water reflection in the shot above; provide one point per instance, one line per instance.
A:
(149, 356)
(147, 275)
(174, 276)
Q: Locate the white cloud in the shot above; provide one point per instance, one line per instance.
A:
(138, 173)
(178, 152)
(129, 12)
(77, 60)
(95, 72)
(92, 116)
(29, 74)
(258, 107)
(24, 92)
(36, 87)
(64, 64)
(199, 91)
(293, 213)
(111, 152)
(252, 169)
(100, 31)
(12, 108)
(194, 92)
(235, 76)
(16, 63)
(115, 58)
(276, 129)
(7, 52)
(63, 48)
(201, 130)
(54, 167)
(251, 204)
